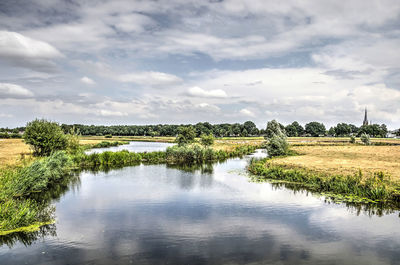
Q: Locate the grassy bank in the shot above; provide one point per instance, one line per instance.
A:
(18, 207)
(377, 187)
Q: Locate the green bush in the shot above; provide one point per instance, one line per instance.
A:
(186, 135)
(108, 136)
(352, 139)
(277, 145)
(207, 140)
(45, 137)
(365, 139)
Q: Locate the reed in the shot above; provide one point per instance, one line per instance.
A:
(376, 188)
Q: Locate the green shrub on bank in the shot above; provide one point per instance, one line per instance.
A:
(377, 187)
(277, 145)
(44, 137)
(365, 139)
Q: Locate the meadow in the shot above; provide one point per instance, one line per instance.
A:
(345, 159)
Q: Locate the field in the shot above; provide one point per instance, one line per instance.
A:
(346, 159)
(12, 150)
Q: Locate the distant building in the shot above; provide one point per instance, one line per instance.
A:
(365, 122)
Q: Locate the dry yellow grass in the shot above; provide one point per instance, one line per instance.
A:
(229, 145)
(12, 150)
(346, 159)
(336, 140)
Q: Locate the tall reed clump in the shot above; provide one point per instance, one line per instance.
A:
(198, 154)
(17, 208)
(377, 187)
(40, 174)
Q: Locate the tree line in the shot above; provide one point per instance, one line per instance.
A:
(248, 128)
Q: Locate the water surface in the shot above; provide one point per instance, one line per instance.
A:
(134, 147)
(158, 214)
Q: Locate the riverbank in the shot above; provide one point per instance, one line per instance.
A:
(349, 172)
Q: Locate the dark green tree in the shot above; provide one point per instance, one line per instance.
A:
(315, 129)
(45, 137)
(342, 129)
(250, 127)
(186, 135)
(294, 129)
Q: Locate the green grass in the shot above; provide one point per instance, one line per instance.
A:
(18, 208)
(377, 188)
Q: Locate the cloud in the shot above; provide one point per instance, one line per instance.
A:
(208, 107)
(199, 92)
(19, 50)
(247, 112)
(147, 78)
(86, 80)
(8, 90)
(109, 113)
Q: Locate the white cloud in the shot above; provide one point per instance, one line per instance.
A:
(148, 78)
(22, 51)
(199, 92)
(208, 107)
(88, 81)
(108, 113)
(247, 112)
(8, 90)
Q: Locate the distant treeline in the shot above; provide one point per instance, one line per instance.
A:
(218, 130)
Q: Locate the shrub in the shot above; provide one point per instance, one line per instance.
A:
(45, 137)
(108, 136)
(73, 146)
(207, 140)
(352, 139)
(365, 139)
(277, 145)
(273, 127)
(186, 135)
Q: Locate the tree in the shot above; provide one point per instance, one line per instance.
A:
(277, 145)
(315, 129)
(276, 139)
(186, 135)
(342, 129)
(294, 129)
(45, 137)
(273, 127)
(207, 140)
(250, 127)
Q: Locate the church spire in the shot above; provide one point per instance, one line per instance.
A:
(365, 122)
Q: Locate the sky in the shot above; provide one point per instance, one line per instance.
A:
(184, 61)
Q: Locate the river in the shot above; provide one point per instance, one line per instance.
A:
(158, 214)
